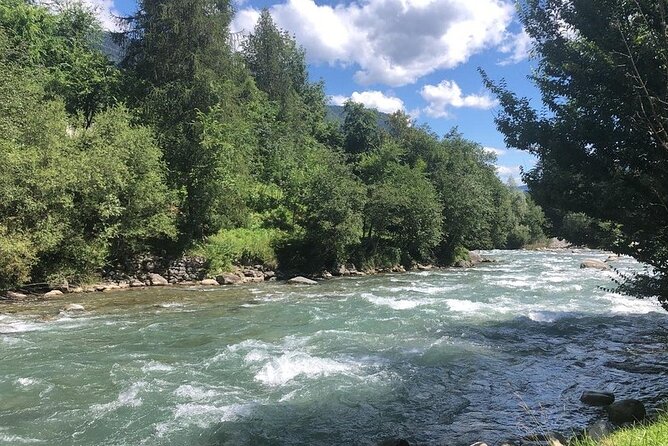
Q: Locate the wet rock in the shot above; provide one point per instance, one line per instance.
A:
(326, 275)
(424, 267)
(269, 274)
(593, 398)
(157, 280)
(73, 307)
(76, 290)
(111, 287)
(394, 442)
(299, 280)
(463, 264)
(479, 443)
(53, 293)
(600, 430)
(593, 263)
(612, 259)
(229, 279)
(13, 295)
(99, 287)
(626, 411)
(135, 283)
(209, 282)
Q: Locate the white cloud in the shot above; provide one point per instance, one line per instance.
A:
(393, 42)
(448, 94)
(514, 172)
(495, 151)
(371, 99)
(517, 47)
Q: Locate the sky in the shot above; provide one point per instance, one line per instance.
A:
(420, 56)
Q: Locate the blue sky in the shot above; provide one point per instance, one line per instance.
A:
(418, 55)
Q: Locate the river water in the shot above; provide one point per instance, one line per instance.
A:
(443, 357)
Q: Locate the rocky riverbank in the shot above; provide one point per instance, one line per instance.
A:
(189, 271)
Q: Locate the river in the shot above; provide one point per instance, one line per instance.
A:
(442, 357)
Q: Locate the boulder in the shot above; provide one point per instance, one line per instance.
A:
(475, 257)
(53, 293)
(592, 398)
(463, 264)
(626, 411)
(341, 271)
(135, 283)
(73, 307)
(229, 279)
(612, 259)
(424, 267)
(209, 282)
(299, 280)
(326, 275)
(594, 263)
(269, 274)
(157, 280)
(13, 295)
(76, 290)
(479, 443)
(111, 287)
(599, 430)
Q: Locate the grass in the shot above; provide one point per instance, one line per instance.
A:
(653, 434)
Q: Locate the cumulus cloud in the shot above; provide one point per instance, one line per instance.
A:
(448, 94)
(371, 99)
(495, 151)
(514, 172)
(393, 42)
(516, 47)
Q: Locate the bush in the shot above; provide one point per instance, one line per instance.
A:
(240, 246)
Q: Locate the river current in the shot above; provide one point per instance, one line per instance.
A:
(442, 357)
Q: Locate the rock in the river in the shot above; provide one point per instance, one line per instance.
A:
(135, 283)
(463, 264)
(53, 293)
(626, 411)
(479, 443)
(592, 398)
(157, 280)
(299, 280)
(209, 282)
(475, 257)
(73, 307)
(229, 279)
(422, 267)
(13, 295)
(600, 430)
(593, 263)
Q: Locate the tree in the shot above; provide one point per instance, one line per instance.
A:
(603, 142)
(178, 51)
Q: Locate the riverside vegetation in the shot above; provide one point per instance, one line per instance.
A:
(190, 146)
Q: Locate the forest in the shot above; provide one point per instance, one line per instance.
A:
(190, 146)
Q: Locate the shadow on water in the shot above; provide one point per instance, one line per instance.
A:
(506, 380)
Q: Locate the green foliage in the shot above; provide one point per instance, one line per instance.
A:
(602, 146)
(651, 434)
(239, 246)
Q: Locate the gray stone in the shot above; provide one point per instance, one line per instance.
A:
(269, 274)
(479, 443)
(424, 267)
(626, 411)
(299, 280)
(135, 283)
(593, 263)
(592, 398)
(13, 295)
(209, 282)
(157, 280)
(229, 279)
(463, 264)
(53, 293)
(475, 257)
(74, 307)
(326, 275)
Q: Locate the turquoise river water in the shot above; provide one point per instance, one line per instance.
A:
(443, 357)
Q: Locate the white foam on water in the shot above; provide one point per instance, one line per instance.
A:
(630, 305)
(281, 370)
(127, 398)
(396, 303)
(196, 393)
(170, 305)
(16, 439)
(204, 415)
(26, 382)
(256, 356)
(465, 306)
(548, 316)
(10, 325)
(154, 366)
